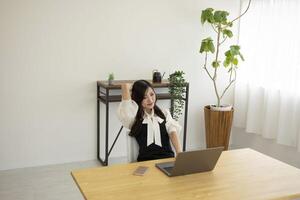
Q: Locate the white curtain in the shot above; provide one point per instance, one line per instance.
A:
(267, 92)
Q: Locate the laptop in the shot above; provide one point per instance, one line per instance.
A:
(191, 162)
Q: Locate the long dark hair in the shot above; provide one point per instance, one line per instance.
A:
(139, 89)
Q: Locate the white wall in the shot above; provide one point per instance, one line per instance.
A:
(52, 52)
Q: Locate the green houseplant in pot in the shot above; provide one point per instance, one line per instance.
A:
(177, 91)
(218, 117)
(110, 79)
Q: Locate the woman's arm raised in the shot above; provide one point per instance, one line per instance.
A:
(126, 91)
(128, 108)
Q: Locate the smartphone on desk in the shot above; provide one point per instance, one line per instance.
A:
(140, 170)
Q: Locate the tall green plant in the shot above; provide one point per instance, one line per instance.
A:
(177, 91)
(221, 26)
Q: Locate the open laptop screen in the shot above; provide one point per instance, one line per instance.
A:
(192, 162)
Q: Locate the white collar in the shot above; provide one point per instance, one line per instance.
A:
(153, 130)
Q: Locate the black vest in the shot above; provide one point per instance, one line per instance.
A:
(154, 151)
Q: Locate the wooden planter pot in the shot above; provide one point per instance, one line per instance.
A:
(217, 127)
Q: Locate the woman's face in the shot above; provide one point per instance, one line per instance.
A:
(149, 99)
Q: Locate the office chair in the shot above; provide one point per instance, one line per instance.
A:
(132, 149)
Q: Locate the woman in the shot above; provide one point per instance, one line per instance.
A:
(152, 128)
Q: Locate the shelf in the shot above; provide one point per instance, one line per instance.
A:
(117, 84)
(117, 98)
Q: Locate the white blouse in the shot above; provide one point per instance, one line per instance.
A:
(127, 111)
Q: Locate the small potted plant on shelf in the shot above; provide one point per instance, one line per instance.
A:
(177, 91)
(111, 77)
(218, 117)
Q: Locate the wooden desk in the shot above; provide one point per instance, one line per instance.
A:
(239, 174)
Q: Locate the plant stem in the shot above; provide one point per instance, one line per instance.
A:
(205, 63)
(228, 86)
(216, 91)
(230, 77)
(243, 12)
(216, 60)
(214, 28)
(218, 43)
(223, 40)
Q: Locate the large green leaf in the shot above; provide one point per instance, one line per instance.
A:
(220, 16)
(235, 50)
(207, 45)
(211, 46)
(228, 54)
(226, 62)
(229, 24)
(231, 56)
(228, 33)
(207, 15)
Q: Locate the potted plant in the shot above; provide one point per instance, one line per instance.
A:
(218, 117)
(111, 77)
(177, 91)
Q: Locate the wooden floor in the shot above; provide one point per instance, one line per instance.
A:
(48, 182)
